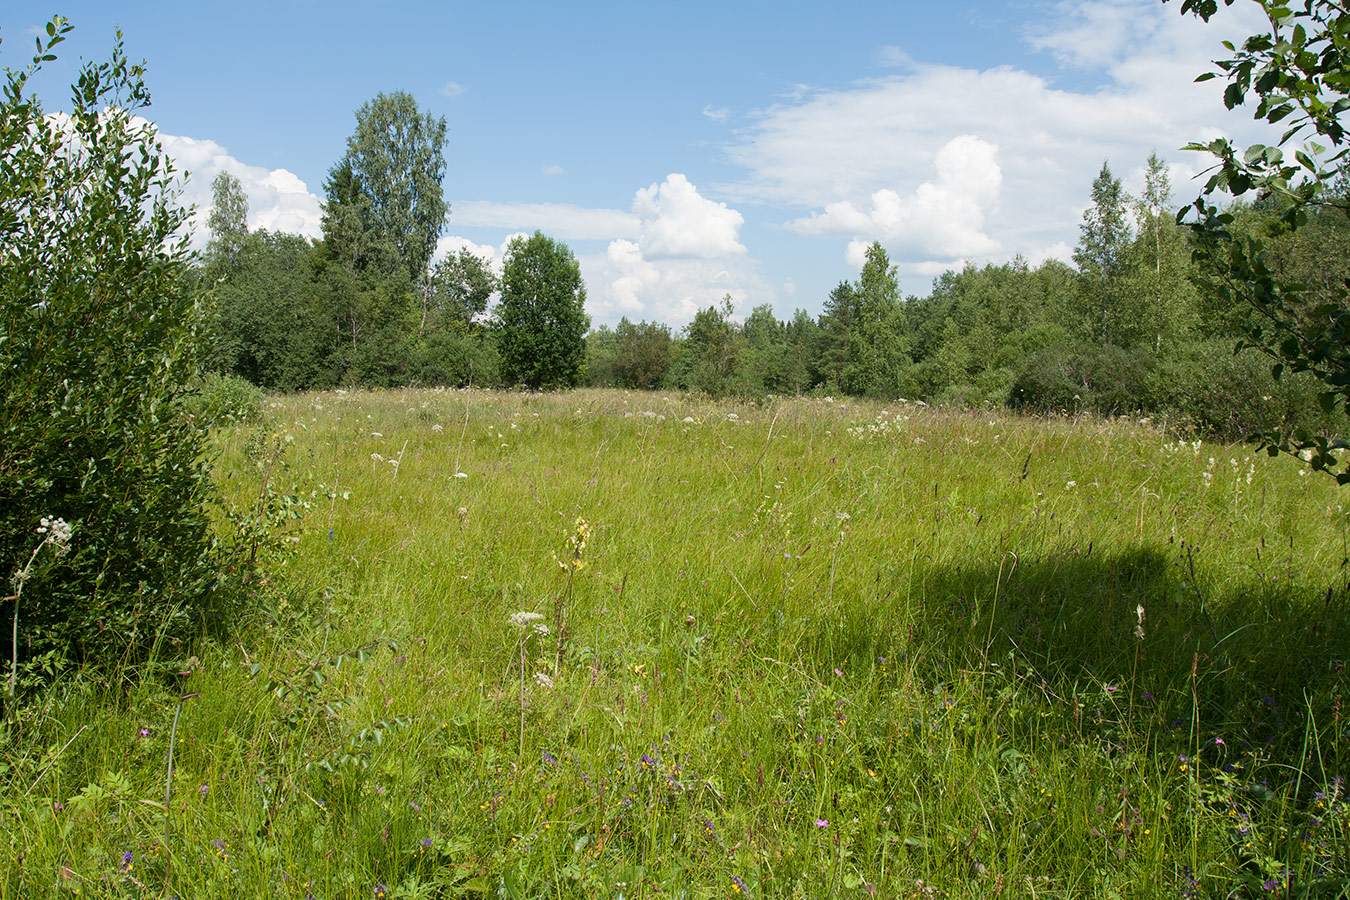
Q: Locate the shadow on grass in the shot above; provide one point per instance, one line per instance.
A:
(1260, 665)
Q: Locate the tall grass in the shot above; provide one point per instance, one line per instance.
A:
(806, 648)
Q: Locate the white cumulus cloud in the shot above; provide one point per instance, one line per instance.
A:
(910, 158)
(277, 199)
(674, 253)
(677, 221)
(943, 217)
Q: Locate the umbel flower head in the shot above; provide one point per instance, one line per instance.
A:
(522, 619)
(57, 533)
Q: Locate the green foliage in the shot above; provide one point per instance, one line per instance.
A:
(455, 357)
(542, 315)
(1104, 236)
(457, 293)
(710, 352)
(1206, 388)
(223, 399)
(98, 345)
(642, 354)
(1106, 380)
(388, 185)
(1296, 71)
(878, 343)
(228, 221)
(271, 324)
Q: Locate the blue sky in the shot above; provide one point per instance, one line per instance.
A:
(685, 151)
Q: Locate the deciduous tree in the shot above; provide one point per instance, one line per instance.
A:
(228, 221)
(389, 181)
(98, 344)
(542, 314)
(1104, 236)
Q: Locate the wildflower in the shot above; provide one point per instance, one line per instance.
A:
(126, 861)
(380, 890)
(426, 843)
(204, 789)
(543, 680)
(145, 732)
(1218, 742)
(522, 618)
(738, 886)
(549, 759)
(1139, 628)
(822, 823)
(58, 534)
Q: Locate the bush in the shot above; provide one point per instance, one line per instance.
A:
(454, 358)
(1045, 383)
(98, 341)
(1106, 380)
(1209, 389)
(223, 399)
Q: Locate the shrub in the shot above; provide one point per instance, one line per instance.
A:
(1209, 389)
(1045, 383)
(1107, 380)
(221, 399)
(453, 358)
(98, 341)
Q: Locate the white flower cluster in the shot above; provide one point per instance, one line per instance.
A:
(884, 425)
(57, 533)
(522, 618)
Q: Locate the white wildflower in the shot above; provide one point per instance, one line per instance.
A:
(437, 429)
(541, 629)
(377, 457)
(58, 534)
(522, 618)
(542, 679)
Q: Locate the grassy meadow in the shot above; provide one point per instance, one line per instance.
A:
(801, 648)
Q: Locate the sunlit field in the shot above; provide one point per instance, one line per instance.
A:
(605, 644)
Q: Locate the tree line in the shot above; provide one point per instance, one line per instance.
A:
(1135, 325)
